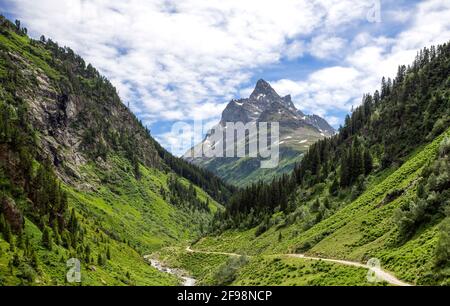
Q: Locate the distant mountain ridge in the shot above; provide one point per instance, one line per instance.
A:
(264, 102)
(297, 132)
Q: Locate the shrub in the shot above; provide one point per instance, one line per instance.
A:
(439, 127)
(227, 272)
(409, 220)
(444, 148)
(442, 251)
(27, 273)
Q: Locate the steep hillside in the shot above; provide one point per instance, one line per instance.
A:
(380, 188)
(81, 177)
(368, 227)
(297, 133)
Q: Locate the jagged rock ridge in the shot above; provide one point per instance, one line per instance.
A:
(297, 132)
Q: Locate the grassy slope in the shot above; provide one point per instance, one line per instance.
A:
(359, 231)
(116, 211)
(36, 55)
(284, 271)
(53, 265)
(134, 209)
(129, 217)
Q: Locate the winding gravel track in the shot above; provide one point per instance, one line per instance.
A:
(379, 273)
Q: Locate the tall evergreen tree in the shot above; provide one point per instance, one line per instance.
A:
(345, 169)
(357, 161)
(368, 162)
(6, 229)
(47, 240)
(334, 187)
(108, 253)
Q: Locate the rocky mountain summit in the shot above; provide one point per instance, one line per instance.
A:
(264, 103)
(297, 132)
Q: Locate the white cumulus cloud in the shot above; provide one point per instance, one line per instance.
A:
(183, 60)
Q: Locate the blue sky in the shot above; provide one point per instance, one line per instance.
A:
(184, 60)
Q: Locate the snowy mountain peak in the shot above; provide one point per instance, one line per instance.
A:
(263, 90)
(297, 131)
(264, 104)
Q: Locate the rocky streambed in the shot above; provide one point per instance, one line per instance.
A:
(181, 274)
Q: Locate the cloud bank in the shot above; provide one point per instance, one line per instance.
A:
(367, 58)
(183, 60)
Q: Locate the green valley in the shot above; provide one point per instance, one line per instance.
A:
(359, 231)
(74, 185)
(88, 197)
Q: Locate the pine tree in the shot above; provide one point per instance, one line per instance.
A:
(345, 169)
(108, 253)
(34, 259)
(6, 229)
(16, 260)
(20, 241)
(28, 247)
(87, 253)
(357, 161)
(442, 251)
(11, 266)
(100, 260)
(384, 89)
(326, 203)
(368, 162)
(2, 223)
(334, 187)
(162, 192)
(73, 222)
(12, 247)
(66, 239)
(315, 206)
(137, 171)
(47, 238)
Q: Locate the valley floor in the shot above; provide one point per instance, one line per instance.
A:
(364, 230)
(222, 268)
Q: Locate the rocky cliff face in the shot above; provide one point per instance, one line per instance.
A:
(77, 116)
(321, 124)
(297, 132)
(77, 125)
